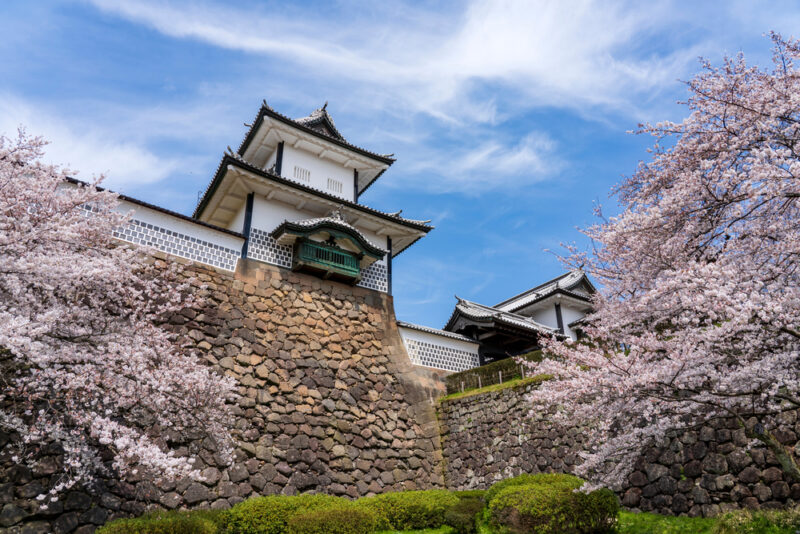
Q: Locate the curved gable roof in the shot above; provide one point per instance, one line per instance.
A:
(321, 121)
(564, 284)
(309, 226)
(311, 125)
(485, 314)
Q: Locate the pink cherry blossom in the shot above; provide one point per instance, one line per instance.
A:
(84, 361)
(699, 313)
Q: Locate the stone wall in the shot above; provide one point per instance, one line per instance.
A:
(330, 403)
(492, 436)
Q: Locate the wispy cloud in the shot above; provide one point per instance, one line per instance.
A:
(547, 53)
(480, 67)
(450, 76)
(85, 148)
(474, 169)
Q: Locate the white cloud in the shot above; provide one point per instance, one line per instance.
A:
(85, 148)
(573, 54)
(489, 165)
(470, 68)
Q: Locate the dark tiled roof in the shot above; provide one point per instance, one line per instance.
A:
(310, 124)
(235, 159)
(577, 322)
(436, 331)
(563, 284)
(481, 313)
(319, 120)
(164, 210)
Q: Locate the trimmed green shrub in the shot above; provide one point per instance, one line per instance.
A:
(471, 494)
(553, 507)
(463, 517)
(410, 510)
(553, 479)
(175, 522)
(269, 515)
(758, 522)
(349, 519)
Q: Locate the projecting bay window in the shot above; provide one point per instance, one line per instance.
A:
(328, 247)
(327, 260)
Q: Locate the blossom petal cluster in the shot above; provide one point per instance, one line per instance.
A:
(699, 313)
(85, 364)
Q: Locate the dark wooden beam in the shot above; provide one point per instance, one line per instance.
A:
(355, 185)
(248, 219)
(279, 159)
(388, 259)
(559, 319)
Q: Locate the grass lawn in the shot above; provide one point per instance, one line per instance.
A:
(630, 523)
(517, 382)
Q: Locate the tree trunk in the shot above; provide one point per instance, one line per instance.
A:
(782, 453)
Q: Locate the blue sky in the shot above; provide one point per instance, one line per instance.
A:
(508, 119)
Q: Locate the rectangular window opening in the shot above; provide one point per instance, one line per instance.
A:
(301, 174)
(335, 185)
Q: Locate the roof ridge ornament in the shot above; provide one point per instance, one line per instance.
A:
(337, 214)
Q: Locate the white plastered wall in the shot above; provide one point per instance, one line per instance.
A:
(237, 224)
(182, 226)
(546, 315)
(179, 237)
(269, 214)
(271, 161)
(320, 170)
(437, 351)
(570, 314)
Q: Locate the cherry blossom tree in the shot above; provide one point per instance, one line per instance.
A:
(83, 360)
(699, 313)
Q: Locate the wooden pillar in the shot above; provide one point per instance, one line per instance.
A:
(248, 219)
(559, 319)
(389, 264)
(279, 159)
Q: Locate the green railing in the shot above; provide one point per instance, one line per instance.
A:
(492, 373)
(328, 258)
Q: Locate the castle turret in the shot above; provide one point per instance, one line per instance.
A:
(292, 189)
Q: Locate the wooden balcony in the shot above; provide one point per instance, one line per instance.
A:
(326, 260)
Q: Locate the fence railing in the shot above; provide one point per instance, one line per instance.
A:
(329, 257)
(494, 373)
